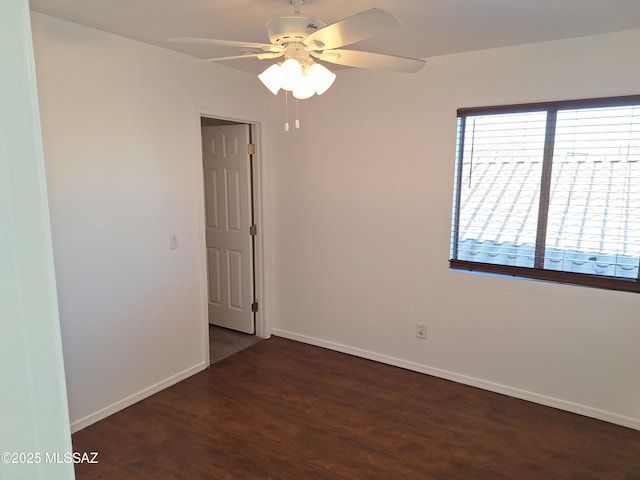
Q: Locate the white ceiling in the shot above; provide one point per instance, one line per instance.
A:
(429, 27)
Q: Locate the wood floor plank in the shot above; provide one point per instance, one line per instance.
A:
(285, 410)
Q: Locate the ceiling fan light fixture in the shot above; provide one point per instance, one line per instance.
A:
(321, 77)
(290, 74)
(272, 78)
(303, 82)
(305, 88)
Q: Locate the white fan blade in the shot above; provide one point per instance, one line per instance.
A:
(351, 29)
(267, 47)
(373, 61)
(259, 56)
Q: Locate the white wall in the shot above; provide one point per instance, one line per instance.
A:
(362, 208)
(33, 402)
(120, 125)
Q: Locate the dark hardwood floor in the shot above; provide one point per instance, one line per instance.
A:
(286, 410)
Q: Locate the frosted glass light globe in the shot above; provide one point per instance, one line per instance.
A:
(291, 73)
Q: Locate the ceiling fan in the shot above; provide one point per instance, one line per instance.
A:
(300, 39)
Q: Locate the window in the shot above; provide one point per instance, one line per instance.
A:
(550, 191)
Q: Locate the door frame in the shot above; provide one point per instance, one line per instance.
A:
(260, 186)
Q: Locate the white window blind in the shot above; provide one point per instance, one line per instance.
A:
(500, 188)
(550, 187)
(594, 208)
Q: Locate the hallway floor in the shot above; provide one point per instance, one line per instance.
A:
(224, 342)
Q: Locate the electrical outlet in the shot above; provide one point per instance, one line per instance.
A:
(421, 330)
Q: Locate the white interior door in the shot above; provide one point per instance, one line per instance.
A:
(227, 185)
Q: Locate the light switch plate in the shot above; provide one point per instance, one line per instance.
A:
(173, 241)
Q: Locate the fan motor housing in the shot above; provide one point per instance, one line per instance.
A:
(292, 29)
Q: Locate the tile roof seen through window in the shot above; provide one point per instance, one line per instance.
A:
(594, 206)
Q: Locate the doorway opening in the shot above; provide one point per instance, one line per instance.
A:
(231, 234)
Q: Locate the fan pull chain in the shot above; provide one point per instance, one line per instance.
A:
(297, 121)
(286, 111)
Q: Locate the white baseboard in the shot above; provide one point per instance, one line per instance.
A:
(466, 380)
(136, 397)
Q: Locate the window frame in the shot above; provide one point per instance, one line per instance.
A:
(537, 272)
